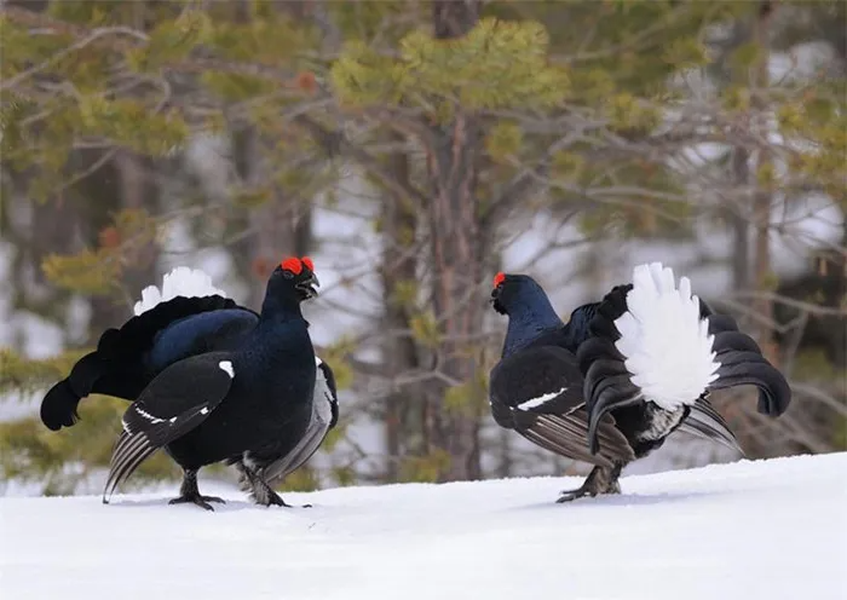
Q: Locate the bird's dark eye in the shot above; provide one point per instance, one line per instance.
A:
(287, 274)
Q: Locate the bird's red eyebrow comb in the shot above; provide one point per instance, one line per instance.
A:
(499, 278)
(308, 262)
(292, 264)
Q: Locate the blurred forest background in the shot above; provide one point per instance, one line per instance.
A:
(413, 149)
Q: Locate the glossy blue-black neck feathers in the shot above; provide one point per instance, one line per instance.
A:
(281, 337)
(281, 302)
(279, 344)
(279, 354)
(530, 314)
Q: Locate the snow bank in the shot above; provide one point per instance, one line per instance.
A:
(773, 529)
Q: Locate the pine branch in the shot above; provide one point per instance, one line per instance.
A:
(110, 38)
(89, 39)
(527, 181)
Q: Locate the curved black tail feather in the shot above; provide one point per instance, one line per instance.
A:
(751, 368)
(742, 363)
(59, 406)
(116, 367)
(705, 422)
(607, 384)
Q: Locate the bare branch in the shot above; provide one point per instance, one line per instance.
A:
(106, 157)
(337, 143)
(815, 309)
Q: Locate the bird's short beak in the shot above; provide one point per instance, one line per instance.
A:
(494, 301)
(309, 286)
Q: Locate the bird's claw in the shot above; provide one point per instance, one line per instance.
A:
(600, 481)
(201, 501)
(275, 499)
(568, 495)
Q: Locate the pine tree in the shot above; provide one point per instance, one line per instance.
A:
(94, 110)
(460, 116)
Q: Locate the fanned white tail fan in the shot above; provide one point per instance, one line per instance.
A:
(181, 281)
(667, 345)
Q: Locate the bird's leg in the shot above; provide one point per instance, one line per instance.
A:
(188, 492)
(260, 491)
(601, 480)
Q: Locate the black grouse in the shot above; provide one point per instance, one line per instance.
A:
(190, 317)
(612, 384)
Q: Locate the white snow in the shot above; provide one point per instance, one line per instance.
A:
(773, 529)
(667, 346)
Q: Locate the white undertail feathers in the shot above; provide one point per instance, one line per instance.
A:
(181, 281)
(667, 346)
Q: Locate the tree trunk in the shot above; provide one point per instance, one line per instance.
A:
(400, 354)
(280, 227)
(139, 191)
(457, 252)
(740, 223)
(763, 307)
(122, 183)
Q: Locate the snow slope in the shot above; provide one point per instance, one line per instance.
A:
(771, 528)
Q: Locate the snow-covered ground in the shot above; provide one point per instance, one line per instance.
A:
(772, 529)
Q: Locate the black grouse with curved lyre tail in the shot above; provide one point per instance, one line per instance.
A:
(613, 383)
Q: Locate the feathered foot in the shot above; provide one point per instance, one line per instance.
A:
(259, 489)
(188, 492)
(601, 480)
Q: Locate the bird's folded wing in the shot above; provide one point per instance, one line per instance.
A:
(324, 417)
(175, 402)
(329, 379)
(538, 392)
(567, 435)
(279, 469)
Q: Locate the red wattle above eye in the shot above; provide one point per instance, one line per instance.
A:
(292, 264)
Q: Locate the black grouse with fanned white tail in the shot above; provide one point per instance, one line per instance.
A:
(613, 383)
(187, 317)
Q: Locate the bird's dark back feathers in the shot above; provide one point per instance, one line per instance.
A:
(122, 366)
(206, 332)
(578, 328)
